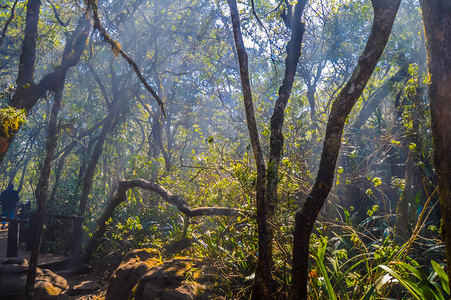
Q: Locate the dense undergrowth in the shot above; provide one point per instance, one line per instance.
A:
(349, 259)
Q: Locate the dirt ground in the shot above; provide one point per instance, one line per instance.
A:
(101, 277)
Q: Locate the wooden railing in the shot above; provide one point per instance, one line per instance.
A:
(76, 241)
(12, 247)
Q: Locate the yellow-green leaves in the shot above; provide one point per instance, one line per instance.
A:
(11, 119)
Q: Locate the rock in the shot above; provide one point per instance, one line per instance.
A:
(143, 276)
(12, 281)
(15, 261)
(13, 277)
(178, 245)
(177, 279)
(46, 290)
(134, 265)
(85, 287)
(175, 295)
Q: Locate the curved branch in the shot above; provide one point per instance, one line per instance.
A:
(121, 196)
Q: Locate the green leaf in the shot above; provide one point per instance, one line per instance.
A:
(410, 285)
(319, 256)
(444, 279)
(368, 294)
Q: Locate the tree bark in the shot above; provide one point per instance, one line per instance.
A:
(437, 30)
(120, 197)
(276, 147)
(384, 16)
(43, 188)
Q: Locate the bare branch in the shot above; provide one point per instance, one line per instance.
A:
(11, 17)
(115, 46)
(120, 196)
(57, 15)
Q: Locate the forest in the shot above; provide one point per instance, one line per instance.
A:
(230, 149)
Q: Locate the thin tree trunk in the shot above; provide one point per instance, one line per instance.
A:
(42, 190)
(264, 267)
(77, 41)
(58, 171)
(384, 16)
(90, 171)
(263, 277)
(22, 177)
(437, 30)
(267, 180)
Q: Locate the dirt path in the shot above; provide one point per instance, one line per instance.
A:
(101, 277)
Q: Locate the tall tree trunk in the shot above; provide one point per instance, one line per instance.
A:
(413, 175)
(73, 46)
(437, 30)
(43, 188)
(263, 277)
(276, 147)
(384, 16)
(90, 171)
(267, 180)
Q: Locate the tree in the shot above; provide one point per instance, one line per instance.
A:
(384, 17)
(437, 30)
(267, 177)
(83, 27)
(28, 92)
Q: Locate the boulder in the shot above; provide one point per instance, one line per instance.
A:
(13, 277)
(134, 265)
(178, 278)
(85, 287)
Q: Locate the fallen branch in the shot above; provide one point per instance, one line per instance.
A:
(121, 196)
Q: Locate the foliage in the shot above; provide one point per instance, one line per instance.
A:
(201, 150)
(11, 119)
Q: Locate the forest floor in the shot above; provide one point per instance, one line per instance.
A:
(99, 276)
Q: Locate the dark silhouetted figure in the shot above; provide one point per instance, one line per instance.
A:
(9, 199)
